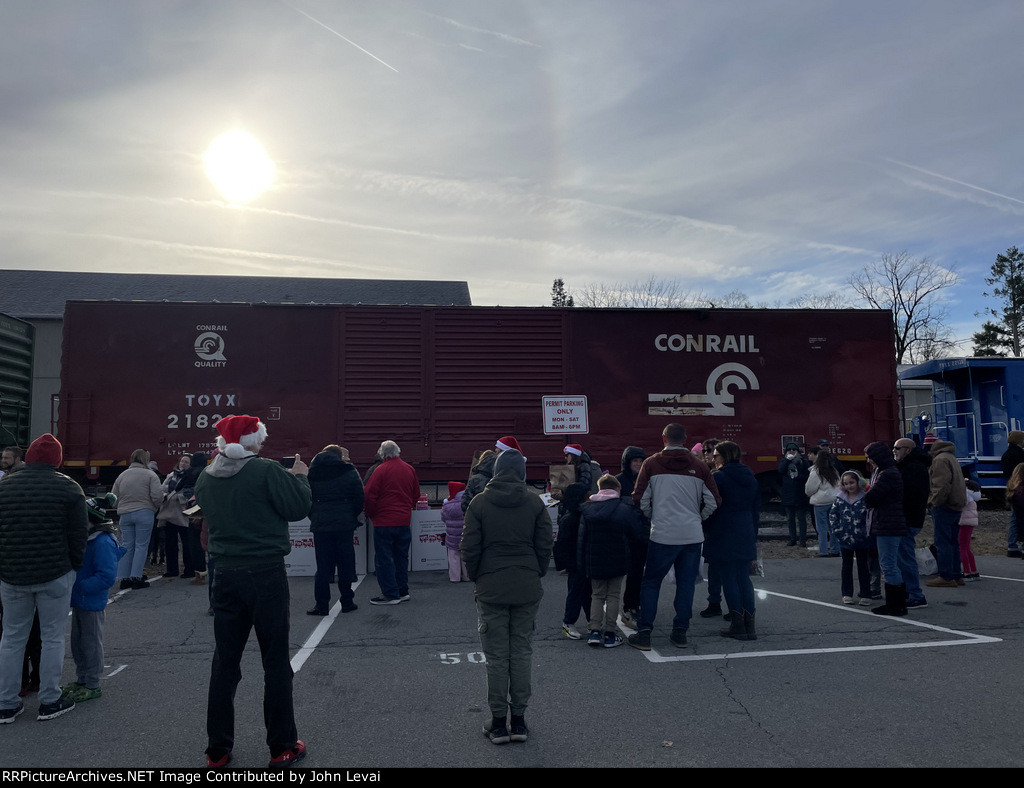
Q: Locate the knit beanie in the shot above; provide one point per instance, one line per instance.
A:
(45, 449)
(511, 459)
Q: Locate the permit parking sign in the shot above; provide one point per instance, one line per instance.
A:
(566, 414)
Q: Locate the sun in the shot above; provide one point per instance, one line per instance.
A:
(238, 166)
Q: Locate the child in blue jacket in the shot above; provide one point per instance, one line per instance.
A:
(89, 599)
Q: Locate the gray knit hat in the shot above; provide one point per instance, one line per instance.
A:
(511, 459)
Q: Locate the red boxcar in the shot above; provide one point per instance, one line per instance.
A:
(444, 381)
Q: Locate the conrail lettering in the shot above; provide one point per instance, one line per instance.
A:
(706, 343)
(211, 328)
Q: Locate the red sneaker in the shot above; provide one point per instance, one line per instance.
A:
(218, 763)
(289, 757)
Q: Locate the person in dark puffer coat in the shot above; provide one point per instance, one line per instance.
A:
(43, 531)
(577, 594)
(887, 523)
(479, 475)
(608, 527)
(337, 493)
(913, 463)
(632, 459)
(730, 541)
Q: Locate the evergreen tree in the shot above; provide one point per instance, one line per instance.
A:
(559, 295)
(1007, 285)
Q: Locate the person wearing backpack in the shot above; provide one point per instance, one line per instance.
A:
(848, 521)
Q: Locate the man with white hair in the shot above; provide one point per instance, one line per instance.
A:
(247, 502)
(391, 494)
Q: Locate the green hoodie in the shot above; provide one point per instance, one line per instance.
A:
(247, 505)
(506, 541)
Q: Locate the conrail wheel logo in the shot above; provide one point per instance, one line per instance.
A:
(209, 346)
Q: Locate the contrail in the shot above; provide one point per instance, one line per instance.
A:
(339, 35)
(954, 180)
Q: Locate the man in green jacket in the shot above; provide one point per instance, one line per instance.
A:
(506, 544)
(248, 502)
(947, 500)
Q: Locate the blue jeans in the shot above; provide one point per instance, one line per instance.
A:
(888, 559)
(715, 583)
(1012, 535)
(736, 585)
(685, 558)
(334, 551)
(828, 544)
(391, 559)
(136, 528)
(908, 565)
(53, 601)
(947, 544)
(247, 598)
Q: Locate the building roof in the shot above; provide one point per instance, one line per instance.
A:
(41, 294)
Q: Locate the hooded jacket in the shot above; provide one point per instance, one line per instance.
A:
(568, 520)
(247, 504)
(916, 486)
(43, 525)
(99, 568)
(506, 541)
(337, 493)
(847, 519)
(676, 491)
(948, 488)
(732, 527)
(479, 475)
(627, 478)
(884, 497)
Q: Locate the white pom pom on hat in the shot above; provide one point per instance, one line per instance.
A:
(239, 435)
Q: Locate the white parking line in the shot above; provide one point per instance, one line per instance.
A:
(966, 638)
(317, 635)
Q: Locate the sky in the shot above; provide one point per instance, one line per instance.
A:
(772, 147)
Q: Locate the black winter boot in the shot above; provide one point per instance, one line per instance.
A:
(748, 625)
(736, 628)
(895, 601)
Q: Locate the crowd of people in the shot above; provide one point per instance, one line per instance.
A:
(618, 538)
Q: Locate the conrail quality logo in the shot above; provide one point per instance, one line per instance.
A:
(209, 346)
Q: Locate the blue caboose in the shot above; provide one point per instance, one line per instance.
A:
(975, 403)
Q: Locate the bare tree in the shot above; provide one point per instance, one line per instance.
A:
(651, 293)
(911, 288)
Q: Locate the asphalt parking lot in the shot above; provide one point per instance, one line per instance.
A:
(823, 686)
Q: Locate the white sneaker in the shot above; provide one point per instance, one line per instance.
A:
(570, 632)
(849, 600)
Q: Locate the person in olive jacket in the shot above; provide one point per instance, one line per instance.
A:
(337, 494)
(43, 531)
(506, 544)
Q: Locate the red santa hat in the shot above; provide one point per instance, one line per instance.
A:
(573, 448)
(239, 435)
(506, 443)
(454, 488)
